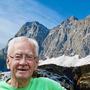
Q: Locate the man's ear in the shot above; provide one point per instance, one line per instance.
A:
(36, 66)
(7, 63)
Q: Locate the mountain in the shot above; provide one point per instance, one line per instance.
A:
(34, 30)
(71, 37)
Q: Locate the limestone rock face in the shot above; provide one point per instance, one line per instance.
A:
(71, 37)
(84, 80)
(34, 30)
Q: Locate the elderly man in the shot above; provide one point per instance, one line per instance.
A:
(22, 60)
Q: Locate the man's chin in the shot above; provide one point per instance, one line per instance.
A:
(23, 76)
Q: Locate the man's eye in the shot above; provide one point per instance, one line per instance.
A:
(18, 57)
(29, 57)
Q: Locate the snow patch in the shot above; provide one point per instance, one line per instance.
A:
(67, 61)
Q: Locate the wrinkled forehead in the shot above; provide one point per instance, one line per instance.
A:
(23, 46)
(25, 52)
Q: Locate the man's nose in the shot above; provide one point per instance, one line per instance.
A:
(23, 60)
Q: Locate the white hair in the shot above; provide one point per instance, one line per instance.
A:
(17, 39)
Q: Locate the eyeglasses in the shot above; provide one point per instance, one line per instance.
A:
(25, 56)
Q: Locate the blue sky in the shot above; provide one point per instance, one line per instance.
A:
(15, 13)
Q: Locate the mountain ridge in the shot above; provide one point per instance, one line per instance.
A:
(71, 37)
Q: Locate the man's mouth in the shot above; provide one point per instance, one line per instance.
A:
(22, 69)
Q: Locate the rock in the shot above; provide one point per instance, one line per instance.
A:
(71, 37)
(34, 30)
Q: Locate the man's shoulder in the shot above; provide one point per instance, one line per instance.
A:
(50, 83)
(44, 79)
(1, 82)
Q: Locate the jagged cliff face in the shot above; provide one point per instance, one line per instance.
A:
(70, 37)
(34, 30)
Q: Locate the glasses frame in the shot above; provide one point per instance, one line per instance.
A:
(24, 57)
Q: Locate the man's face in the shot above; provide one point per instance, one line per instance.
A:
(21, 60)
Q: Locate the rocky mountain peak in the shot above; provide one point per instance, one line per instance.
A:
(34, 30)
(69, 20)
(88, 17)
(33, 22)
(71, 37)
(73, 18)
(30, 28)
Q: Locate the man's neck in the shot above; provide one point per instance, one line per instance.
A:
(18, 83)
